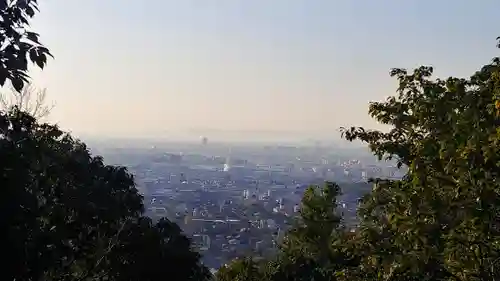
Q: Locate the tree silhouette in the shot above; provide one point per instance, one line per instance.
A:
(65, 215)
(68, 216)
(18, 43)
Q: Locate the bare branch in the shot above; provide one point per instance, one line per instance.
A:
(30, 99)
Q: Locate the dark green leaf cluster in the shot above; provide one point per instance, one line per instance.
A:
(18, 45)
(65, 215)
(442, 220)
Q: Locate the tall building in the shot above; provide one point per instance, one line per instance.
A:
(204, 140)
(227, 165)
(183, 179)
(296, 208)
(364, 177)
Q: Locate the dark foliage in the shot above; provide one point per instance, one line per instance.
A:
(19, 45)
(64, 214)
(68, 216)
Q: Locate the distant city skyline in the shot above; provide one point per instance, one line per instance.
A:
(218, 135)
(249, 66)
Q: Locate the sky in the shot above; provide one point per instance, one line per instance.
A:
(159, 68)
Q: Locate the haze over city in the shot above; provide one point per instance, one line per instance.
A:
(296, 69)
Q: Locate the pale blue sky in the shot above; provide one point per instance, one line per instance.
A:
(148, 67)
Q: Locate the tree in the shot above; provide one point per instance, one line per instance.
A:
(313, 249)
(60, 200)
(18, 43)
(68, 216)
(441, 221)
(30, 99)
(65, 215)
(154, 252)
(317, 222)
(245, 269)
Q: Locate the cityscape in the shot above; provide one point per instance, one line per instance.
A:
(237, 199)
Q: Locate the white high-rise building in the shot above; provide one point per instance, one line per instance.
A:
(296, 208)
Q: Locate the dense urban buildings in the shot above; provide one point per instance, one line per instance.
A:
(239, 199)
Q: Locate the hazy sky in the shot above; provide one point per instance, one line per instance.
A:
(149, 67)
